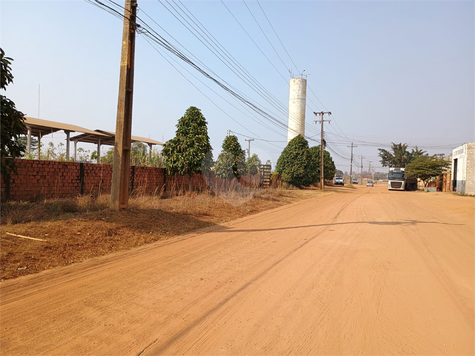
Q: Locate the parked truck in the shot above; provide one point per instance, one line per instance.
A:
(398, 181)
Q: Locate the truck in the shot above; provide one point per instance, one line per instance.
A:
(339, 180)
(398, 181)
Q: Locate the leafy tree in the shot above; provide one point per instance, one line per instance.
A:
(83, 155)
(187, 151)
(399, 156)
(138, 154)
(232, 159)
(426, 167)
(108, 158)
(295, 164)
(33, 143)
(12, 122)
(224, 165)
(253, 164)
(329, 168)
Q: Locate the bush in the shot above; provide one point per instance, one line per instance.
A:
(295, 165)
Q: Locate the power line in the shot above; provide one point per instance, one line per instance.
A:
(298, 71)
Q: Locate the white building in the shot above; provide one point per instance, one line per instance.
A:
(463, 169)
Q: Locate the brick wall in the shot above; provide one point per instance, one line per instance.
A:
(96, 179)
(38, 179)
(147, 180)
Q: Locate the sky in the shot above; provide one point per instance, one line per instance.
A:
(388, 71)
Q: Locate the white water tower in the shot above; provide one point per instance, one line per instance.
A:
(297, 104)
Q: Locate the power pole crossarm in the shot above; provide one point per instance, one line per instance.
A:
(322, 146)
(249, 149)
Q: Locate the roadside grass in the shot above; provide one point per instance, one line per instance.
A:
(77, 229)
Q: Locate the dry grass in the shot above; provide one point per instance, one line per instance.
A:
(84, 227)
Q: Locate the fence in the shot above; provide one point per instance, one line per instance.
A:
(38, 179)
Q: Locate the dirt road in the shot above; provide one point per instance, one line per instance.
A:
(356, 271)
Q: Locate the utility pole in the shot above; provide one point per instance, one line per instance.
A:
(351, 164)
(322, 146)
(123, 131)
(361, 178)
(369, 168)
(249, 149)
(229, 133)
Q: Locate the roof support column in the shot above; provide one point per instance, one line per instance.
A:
(99, 151)
(150, 153)
(67, 145)
(28, 139)
(75, 150)
(39, 145)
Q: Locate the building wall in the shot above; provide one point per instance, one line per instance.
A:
(463, 172)
(470, 174)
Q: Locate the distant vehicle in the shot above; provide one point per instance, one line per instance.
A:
(397, 180)
(370, 183)
(354, 181)
(339, 180)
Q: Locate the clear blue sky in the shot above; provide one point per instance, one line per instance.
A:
(389, 71)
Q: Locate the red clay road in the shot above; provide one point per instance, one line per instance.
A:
(352, 272)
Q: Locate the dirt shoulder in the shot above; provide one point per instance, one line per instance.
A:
(68, 231)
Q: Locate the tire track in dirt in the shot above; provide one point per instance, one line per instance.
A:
(335, 275)
(265, 270)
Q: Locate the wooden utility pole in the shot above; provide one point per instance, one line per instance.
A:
(322, 147)
(361, 178)
(351, 164)
(123, 131)
(249, 149)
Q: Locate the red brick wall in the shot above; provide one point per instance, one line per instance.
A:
(37, 179)
(147, 180)
(50, 179)
(97, 179)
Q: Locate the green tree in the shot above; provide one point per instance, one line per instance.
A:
(33, 144)
(83, 155)
(329, 168)
(253, 164)
(187, 151)
(138, 154)
(232, 159)
(400, 156)
(426, 167)
(12, 122)
(295, 164)
(224, 165)
(108, 158)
